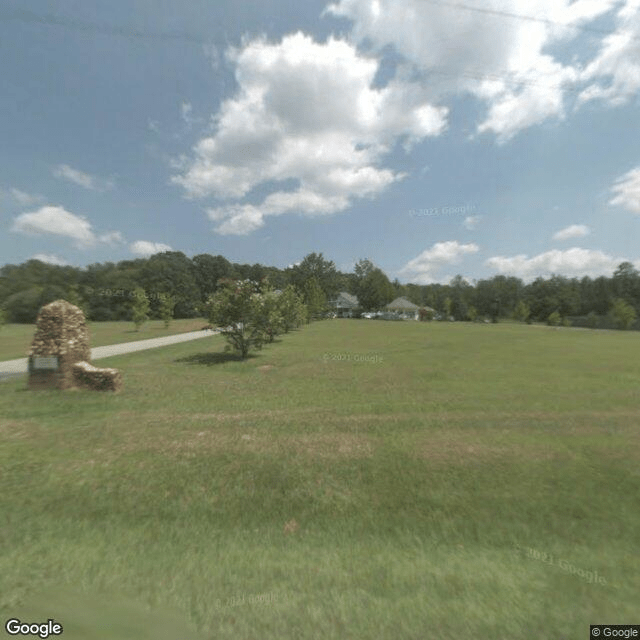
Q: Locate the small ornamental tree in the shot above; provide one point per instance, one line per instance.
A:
(425, 315)
(167, 305)
(623, 314)
(554, 319)
(238, 308)
(270, 318)
(592, 319)
(291, 308)
(521, 312)
(314, 298)
(140, 307)
(3, 317)
(472, 313)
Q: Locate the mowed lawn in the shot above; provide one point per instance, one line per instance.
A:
(15, 339)
(356, 479)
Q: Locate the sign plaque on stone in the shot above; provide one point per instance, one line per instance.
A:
(45, 363)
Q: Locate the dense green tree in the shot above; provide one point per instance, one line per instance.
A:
(208, 270)
(623, 314)
(556, 293)
(461, 294)
(23, 306)
(171, 273)
(374, 290)
(315, 266)
(626, 284)
(399, 289)
(363, 268)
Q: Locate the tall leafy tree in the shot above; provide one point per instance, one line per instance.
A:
(374, 290)
(626, 284)
(208, 270)
(314, 298)
(315, 266)
(171, 273)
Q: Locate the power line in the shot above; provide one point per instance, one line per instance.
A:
(517, 16)
(107, 29)
(23, 15)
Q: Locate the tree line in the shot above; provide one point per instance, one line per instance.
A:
(171, 283)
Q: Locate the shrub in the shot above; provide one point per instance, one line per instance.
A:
(554, 319)
(623, 314)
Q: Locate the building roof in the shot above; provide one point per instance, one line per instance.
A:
(402, 304)
(345, 299)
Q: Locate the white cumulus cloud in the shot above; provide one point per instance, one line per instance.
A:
(80, 178)
(306, 113)
(500, 52)
(25, 199)
(112, 238)
(423, 268)
(49, 258)
(627, 190)
(146, 248)
(614, 74)
(575, 262)
(572, 231)
(470, 222)
(56, 221)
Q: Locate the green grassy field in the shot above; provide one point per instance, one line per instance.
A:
(357, 479)
(15, 339)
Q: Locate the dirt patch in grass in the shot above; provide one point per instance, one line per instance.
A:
(19, 429)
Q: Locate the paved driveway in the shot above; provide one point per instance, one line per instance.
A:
(19, 366)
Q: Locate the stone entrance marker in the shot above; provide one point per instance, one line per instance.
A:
(60, 342)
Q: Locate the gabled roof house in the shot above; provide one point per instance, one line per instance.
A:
(344, 304)
(403, 308)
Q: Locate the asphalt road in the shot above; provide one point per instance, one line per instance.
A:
(10, 368)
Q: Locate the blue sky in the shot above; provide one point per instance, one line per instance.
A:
(432, 137)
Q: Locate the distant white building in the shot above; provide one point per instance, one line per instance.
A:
(344, 305)
(403, 308)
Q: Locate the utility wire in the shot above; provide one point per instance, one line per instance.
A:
(517, 16)
(23, 15)
(48, 19)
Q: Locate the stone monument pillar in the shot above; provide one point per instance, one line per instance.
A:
(61, 340)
